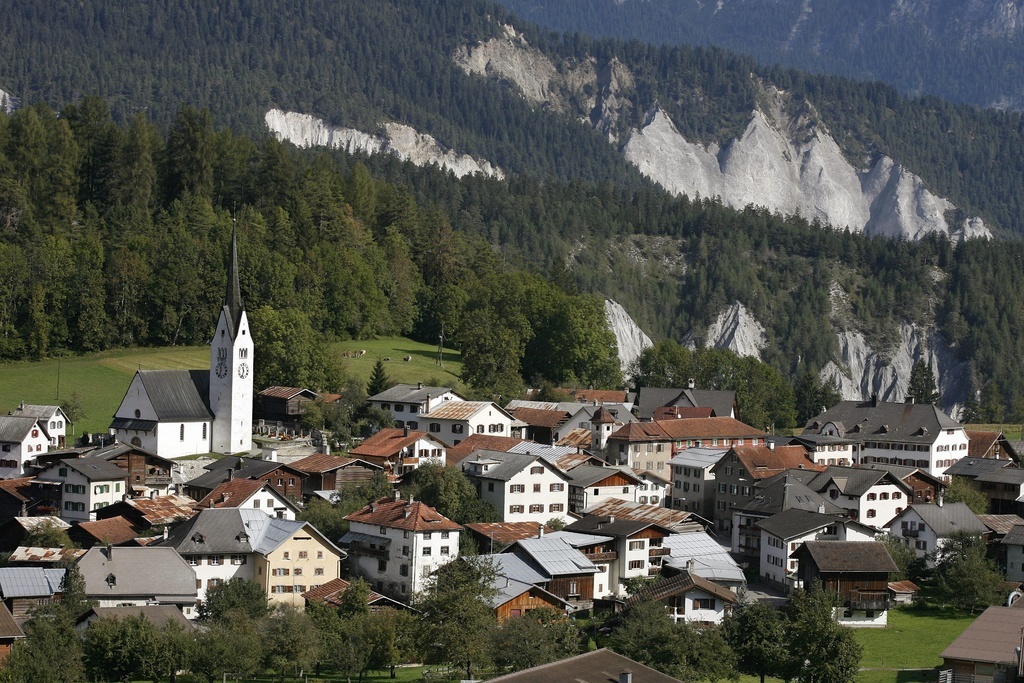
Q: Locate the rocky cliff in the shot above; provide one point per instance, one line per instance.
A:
(788, 164)
(631, 339)
(397, 139)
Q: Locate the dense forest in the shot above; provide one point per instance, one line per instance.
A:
(115, 235)
(957, 50)
(358, 64)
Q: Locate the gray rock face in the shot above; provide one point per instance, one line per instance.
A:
(737, 330)
(631, 339)
(8, 102)
(397, 139)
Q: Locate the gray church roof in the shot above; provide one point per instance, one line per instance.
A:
(178, 394)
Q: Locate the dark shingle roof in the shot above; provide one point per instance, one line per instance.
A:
(599, 666)
(991, 638)
(850, 556)
(588, 475)
(127, 571)
(14, 429)
(854, 481)
(678, 585)
(948, 518)
(178, 394)
(793, 522)
(784, 492)
(893, 422)
(230, 531)
(94, 469)
(649, 399)
(242, 468)
(8, 626)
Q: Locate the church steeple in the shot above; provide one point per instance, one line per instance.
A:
(233, 301)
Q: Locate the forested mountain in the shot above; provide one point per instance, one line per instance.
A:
(114, 217)
(959, 50)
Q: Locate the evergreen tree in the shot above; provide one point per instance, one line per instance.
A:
(379, 380)
(922, 384)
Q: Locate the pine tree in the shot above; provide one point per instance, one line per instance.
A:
(379, 380)
(922, 384)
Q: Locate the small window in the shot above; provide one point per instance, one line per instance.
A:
(427, 551)
(539, 469)
(556, 487)
(434, 427)
(181, 433)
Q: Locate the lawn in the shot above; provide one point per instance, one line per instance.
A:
(101, 379)
(914, 639)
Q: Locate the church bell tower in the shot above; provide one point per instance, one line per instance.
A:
(231, 378)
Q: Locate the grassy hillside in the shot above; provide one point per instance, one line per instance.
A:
(100, 379)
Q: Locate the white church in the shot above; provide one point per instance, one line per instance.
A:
(175, 413)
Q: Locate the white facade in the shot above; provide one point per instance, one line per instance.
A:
(267, 500)
(16, 452)
(652, 490)
(81, 496)
(697, 606)
(876, 506)
(51, 418)
(693, 482)
(945, 449)
(833, 454)
(581, 420)
(537, 493)
(407, 558)
(231, 389)
(471, 417)
(409, 413)
(168, 439)
(213, 569)
(914, 533)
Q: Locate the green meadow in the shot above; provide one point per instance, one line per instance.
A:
(99, 380)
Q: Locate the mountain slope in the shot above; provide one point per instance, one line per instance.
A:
(961, 50)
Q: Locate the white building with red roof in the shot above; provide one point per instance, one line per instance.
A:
(397, 544)
(401, 450)
(249, 493)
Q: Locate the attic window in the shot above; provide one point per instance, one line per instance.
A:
(242, 537)
(111, 580)
(198, 538)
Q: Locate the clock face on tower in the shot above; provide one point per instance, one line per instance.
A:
(222, 368)
(243, 370)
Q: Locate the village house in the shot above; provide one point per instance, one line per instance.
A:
(590, 485)
(541, 425)
(872, 497)
(397, 544)
(25, 588)
(150, 513)
(598, 419)
(639, 547)
(483, 442)
(785, 491)
(148, 474)
(251, 494)
(554, 565)
(925, 528)
(284, 479)
(1013, 550)
(1002, 482)
(984, 444)
(330, 594)
(522, 488)
(10, 632)
(693, 483)
(513, 598)
(492, 537)
(826, 449)
(926, 487)
(653, 489)
(52, 420)
(649, 399)
(325, 472)
(784, 533)
(909, 434)
(284, 404)
(84, 485)
(989, 649)
(110, 531)
(126, 576)
(285, 557)
(407, 403)
(676, 521)
(597, 666)
(742, 467)
(689, 598)
(702, 555)
(399, 451)
(455, 420)
(856, 572)
(21, 439)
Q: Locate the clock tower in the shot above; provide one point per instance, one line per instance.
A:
(231, 380)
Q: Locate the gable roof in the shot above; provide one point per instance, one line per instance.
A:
(30, 582)
(554, 556)
(849, 556)
(793, 522)
(14, 428)
(115, 530)
(18, 488)
(598, 666)
(156, 571)
(589, 475)
(786, 491)
(391, 441)
(991, 638)
(679, 585)
(287, 392)
(508, 465)
(236, 531)
(917, 423)
(578, 437)
(945, 519)
(241, 468)
(535, 417)
(710, 558)
(325, 462)
(614, 526)
(987, 470)
(158, 615)
(506, 532)
(330, 594)
(38, 411)
(474, 442)
(463, 410)
(93, 469)
(507, 589)
(763, 461)
(178, 395)
(233, 493)
(682, 429)
(855, 481)
(411, 393)
(411, 515)
(161, 509)
(9, 628)
(903, 472)
(678, 521)
(1000, 524)
(649, 399)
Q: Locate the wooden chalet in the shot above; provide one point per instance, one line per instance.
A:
(857, 571)
(284, 404)
(331, 472)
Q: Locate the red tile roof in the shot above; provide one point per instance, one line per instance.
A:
(537, 417)
(283, 392)
(411, 515)
(708, 427)
(600, 395)
(681, 413)
(388, 442)
(114, 531)
(474, 442)
(579, 437)
(569, 460)
(232, 493)
(980, 443)
(321, 462)
(163, 509)
(330, 593)
(762, 462)
(17, 488)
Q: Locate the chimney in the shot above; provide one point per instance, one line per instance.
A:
(540, 531)
(938, 500)
(405, 431)
(690, 384)
(397, 495)
(874, 400)
(625, 676)
(821, 508)
(910, 399)
(110, 552)
(690, 564)
(611, 519)
(165, 532)
(771, 445)
(231, 473)
(419, 385)
(410, 500)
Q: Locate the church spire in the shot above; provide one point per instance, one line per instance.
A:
(233, 300)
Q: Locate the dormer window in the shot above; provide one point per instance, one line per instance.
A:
(198, 538)
(111, 580)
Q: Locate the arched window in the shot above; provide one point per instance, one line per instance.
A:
(204, 430)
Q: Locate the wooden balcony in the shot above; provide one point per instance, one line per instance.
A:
(869, 600)
(909, 533)
(367, 551)
(659, 552)
(608, 556)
